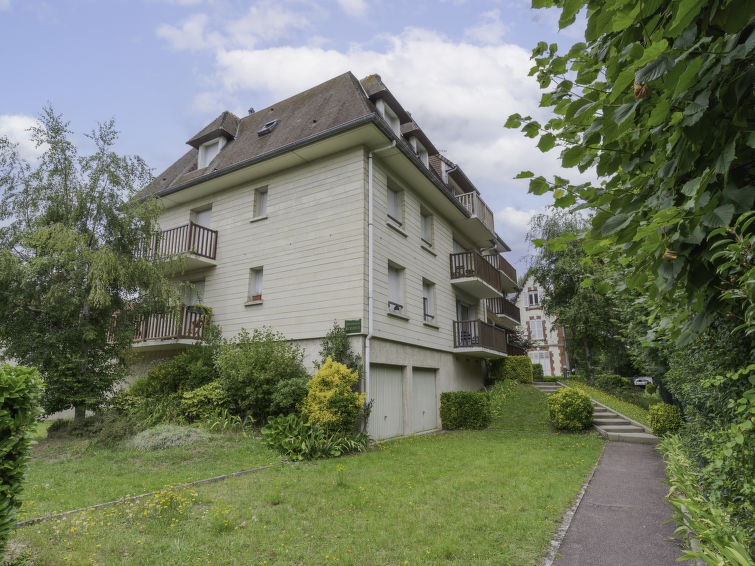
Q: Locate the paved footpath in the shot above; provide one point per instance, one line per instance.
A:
(620, 520)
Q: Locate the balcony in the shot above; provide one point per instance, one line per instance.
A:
(197, 244)
(504, 309)
(479, 339)
(508, 271)
(478, 209)
(474, 275)
(159, 330)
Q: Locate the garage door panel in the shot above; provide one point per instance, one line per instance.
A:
(424, 400)
(387, 391)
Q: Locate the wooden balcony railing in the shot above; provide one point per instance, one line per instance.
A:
(479, 334)
(475, 205)
(472, 264)
(500, 263)
(504, 307)
(188, 238)
(189, 323)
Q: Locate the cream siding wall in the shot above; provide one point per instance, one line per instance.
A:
(418, 263)
(310, 247)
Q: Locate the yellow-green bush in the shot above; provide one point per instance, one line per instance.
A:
(570, 409)
(664, 419)
(204, 403)
(330, 400)
(512, 367)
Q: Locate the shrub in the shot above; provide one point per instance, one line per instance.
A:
(330, 401)
(167, 436)
(337, 346)
(570, 409)
(20, 392)
(297, 439)
(665, 419)
(513, 367)
(651, 388)
(188, 370)
(537, 372)
(465, 409)
(611, 381)
(255, 371)
(204, 403)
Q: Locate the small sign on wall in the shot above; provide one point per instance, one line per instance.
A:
(353, 326)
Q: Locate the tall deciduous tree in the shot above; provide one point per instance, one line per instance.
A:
(71, 233)
(659, 101)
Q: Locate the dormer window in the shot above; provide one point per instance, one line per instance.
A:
(420, 150)
(389, 116)
(208, 151)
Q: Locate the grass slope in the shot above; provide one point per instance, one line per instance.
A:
(483, 497)
(628, 409)
(517, 406)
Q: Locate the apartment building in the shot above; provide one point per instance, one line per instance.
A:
(547, 338)
(333, 205)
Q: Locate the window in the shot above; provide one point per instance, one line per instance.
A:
(208, 151)
(255, 285)
(389, 116)
(260, 202)
(534, 299)
(396, 206)
(420, 150)
(395, 289)
(426, 222)
(428, 300)
(536, 329)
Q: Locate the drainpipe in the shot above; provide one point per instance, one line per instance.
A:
(370, 298)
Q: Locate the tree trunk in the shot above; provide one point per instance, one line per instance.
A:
(588, 358)
(79, 412)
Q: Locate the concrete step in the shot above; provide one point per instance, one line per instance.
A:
(622, 428)
(634, 437)
(609, 420)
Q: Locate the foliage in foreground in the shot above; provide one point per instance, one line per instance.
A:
(297, 439)
(570, 409)
(20, 390)
(72, 261)
(465, 409)
(719, 540)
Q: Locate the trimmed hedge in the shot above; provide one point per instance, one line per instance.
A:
(570, 409)
(465, 409)
(537, 372)
(664, 419)
(20, 391)
(512, 367)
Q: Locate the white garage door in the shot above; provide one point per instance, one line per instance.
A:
(424, 401)
(387, 391)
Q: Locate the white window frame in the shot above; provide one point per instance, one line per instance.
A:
(428, 301)
(420, 150)
(389, 116)
(396, 289)
(534, 294)
(427, 227)
(397, 215)
(260, 203)
(208, 151)
(255, 285)
(536, 324)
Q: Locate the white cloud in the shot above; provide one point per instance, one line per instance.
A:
(354, 8)
(490, 30)
(15, 127)
(189, 35)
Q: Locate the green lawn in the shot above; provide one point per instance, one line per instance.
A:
(68, 473)
(482, 497)
(627, 409)
(517, 406)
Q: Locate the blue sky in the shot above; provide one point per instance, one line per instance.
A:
(164, 68)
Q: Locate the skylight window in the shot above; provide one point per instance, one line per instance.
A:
(267, 128)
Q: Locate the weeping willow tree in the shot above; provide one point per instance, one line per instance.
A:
(71, 232)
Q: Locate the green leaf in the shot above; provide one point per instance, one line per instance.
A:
(514, 121)
(531, 129)
(524, 175)
(624, 111)
(615, 223)
(568, 13)
(586, 283)
(655, 69)
(659, 112)
(688, 76)
(539, 186)
(621, 83)
(573, 155)
(721, 216)
(725, 158)
(547, 141)
(685, 12)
